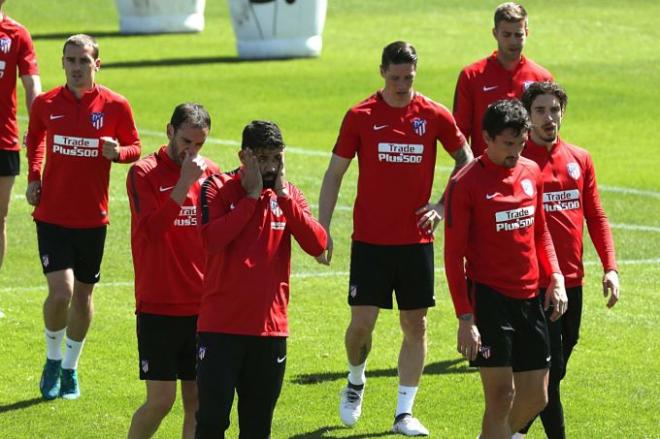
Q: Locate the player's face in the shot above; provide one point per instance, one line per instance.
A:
(399, 80)
(505, 148)
(546, 115)
(80, 66)
(510, 38)
(270, 163)
(187, 139)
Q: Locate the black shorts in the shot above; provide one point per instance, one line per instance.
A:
(377, 270)
(167, 346)
(81, 249)
(514, 332)
(10, 163)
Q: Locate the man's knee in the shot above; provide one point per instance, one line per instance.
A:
(362, 323)
(161, 403)
(413, 325)
(500, 399)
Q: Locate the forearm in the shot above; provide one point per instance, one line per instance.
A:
(307, 231)
(328, 198)
(32, 87)
(220, 231)
(129, 153)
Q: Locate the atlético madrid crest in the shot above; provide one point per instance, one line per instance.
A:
(97, 120)
(527, 186)
(419, 126)
(573, 170)
(5, 44)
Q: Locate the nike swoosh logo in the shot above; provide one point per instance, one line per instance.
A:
(280, 360)
(163, 189)
(56, 116)
(379, 127)
(490, 88)
(491, 196)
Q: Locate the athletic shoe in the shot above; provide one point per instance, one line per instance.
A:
(350, 405)
(69, 388)
(409, 426)
(50, 379)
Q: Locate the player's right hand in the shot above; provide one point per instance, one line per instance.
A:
(468, 339)
(192, 167)
(251, 179)
(555, 294)
(33, 192)
(325, 257)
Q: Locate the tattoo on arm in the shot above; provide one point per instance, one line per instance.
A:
(465, 317)
(462, 157)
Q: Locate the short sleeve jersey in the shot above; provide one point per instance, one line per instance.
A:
(74, 189)
(396, 150)
(484, 82)
(16, 55)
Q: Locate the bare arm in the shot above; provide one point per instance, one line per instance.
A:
(328, 199)
(32, 87)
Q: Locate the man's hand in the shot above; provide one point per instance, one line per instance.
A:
(611, 284)
(469, 339)
(251, 179)
(33, 192)
(280, 182)
(110, 148)
(555, 294)
(192, 167)
(325, 257)
(430, 216)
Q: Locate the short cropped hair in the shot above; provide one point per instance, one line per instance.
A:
(193, 114)
(82, 40)
(536, 89)
(510, 12)
(260, 134)
(505, 114)
(398, 52)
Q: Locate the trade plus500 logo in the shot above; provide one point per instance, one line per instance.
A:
(75, 146)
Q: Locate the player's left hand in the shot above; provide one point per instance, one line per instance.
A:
(280, 182)
(110, 148)
(430, 216)
(555, 294)
(611, 285)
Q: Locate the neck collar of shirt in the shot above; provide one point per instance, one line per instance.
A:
(493, 59)
(87, 95)
(381, 98)
(498, 169)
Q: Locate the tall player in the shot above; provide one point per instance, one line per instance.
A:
(496, 246)
(86, 127)
(394, 134)
(163, 190)
(502, 75)
(16, 53)
(570, 198)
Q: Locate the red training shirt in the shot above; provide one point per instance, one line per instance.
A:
(16, 53)
(396, 149)
(248, 255)
(168, 257)
(484, 82)
(571, 196)
(74, 185)
(495, 231)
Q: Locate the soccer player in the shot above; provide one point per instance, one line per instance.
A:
(247, 219)
(16, 53)
(502, 75)
(86, 127)
(163, 189)
(570, 197)
(394, 133)
(496, 246)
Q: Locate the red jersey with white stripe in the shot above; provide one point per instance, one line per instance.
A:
(571, 197)
(168, 257)
(495, 231)
(248, 255)
(74, 185)
(484, 82)
(396, 150)
(16, 54)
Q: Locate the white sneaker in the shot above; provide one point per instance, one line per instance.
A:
(409, 426)
(350, 405)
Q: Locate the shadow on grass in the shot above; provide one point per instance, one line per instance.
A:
(19, 405)
(439, 368)
(323, 433)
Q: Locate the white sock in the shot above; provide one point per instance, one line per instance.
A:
(518, 436)
(54, 343)
(72, 353)
(356, 374)
(405, 400)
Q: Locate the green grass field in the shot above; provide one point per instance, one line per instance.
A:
(604, 52)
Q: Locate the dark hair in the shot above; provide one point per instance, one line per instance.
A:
(510, 12)
(398, 52)
(262, 134)
(82, 40)
(536, 89)
(193, 114)
(505, 114)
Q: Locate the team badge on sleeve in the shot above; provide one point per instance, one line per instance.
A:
(419, 126)
(527, 187)
(5, 44)
(97, 120)
(573, 170)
